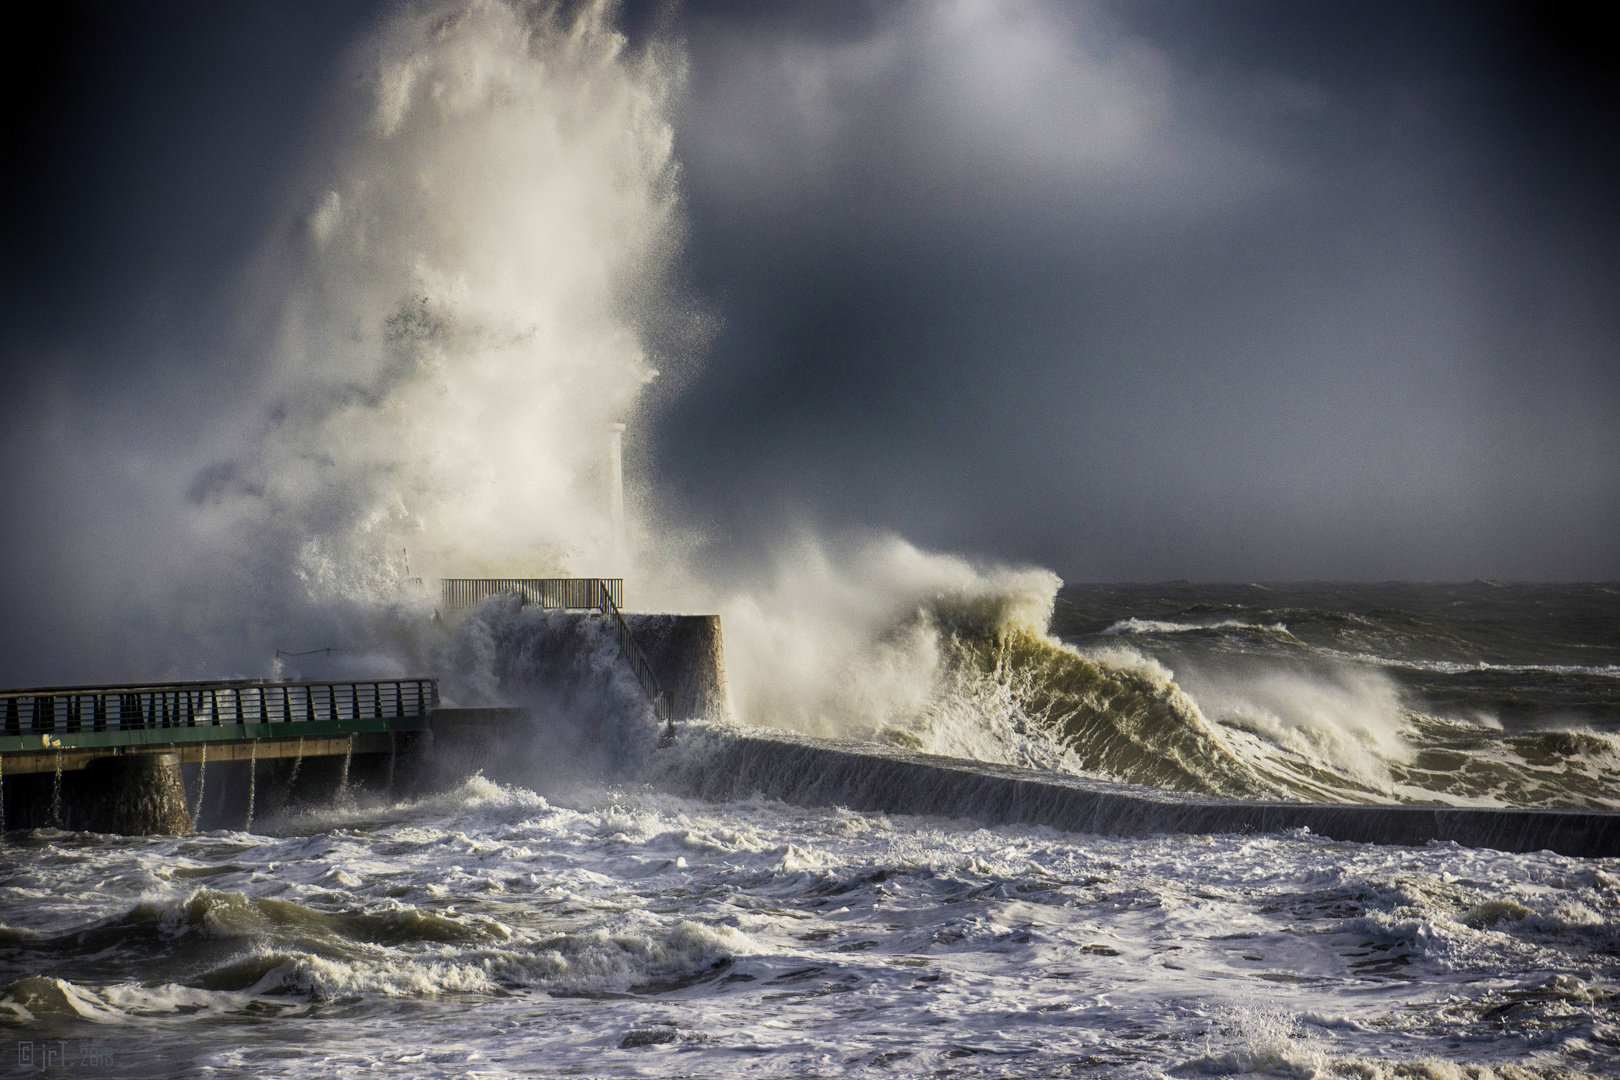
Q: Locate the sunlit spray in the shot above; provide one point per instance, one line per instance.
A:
(253, 782)
(460, 344)
(343, 778)
(459, 306)
(292, 777)
(202, 785)
(56, 793)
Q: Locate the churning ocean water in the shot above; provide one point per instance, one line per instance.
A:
(610, 925)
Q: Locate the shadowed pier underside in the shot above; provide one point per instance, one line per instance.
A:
(108, 758)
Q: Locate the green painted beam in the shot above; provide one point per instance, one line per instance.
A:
(207, 733)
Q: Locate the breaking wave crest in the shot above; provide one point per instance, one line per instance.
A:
(887, 643)
(1124, 716)
(1128, 721)
(959, 661)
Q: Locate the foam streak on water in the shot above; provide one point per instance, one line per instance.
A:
(638, 933)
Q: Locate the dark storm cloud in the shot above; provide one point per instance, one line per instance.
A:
(1153, 290)
(145, 145)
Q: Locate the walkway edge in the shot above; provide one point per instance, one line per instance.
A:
(720, 764)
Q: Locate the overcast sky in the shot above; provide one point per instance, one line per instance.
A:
(1132, 291)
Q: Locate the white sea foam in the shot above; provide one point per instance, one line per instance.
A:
(1135, 625)
(1350, 721)
(756, 938)
(1452, 667)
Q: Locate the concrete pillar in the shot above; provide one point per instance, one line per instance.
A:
(688, 655)
(132, 794)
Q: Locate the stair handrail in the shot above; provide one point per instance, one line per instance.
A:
(663, 701)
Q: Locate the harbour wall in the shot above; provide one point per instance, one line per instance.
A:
(730, 764)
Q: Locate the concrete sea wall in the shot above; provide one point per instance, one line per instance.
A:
(721, 764)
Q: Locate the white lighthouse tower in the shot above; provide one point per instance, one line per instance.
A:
(615, 494)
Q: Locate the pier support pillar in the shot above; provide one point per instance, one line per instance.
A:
(132, 794)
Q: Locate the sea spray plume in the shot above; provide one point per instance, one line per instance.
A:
(586, 712)
(843, 637)
(1112, 716)
(873, 638)
(1332, 723)
(468, 275)
(460, 315)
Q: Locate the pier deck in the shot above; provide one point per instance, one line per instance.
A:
(63, 728)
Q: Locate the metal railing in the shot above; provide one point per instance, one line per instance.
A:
(547, 592)
(663, 701)
(73, 709)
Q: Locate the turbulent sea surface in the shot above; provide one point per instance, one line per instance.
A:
(1479, 693)
(613, 926)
